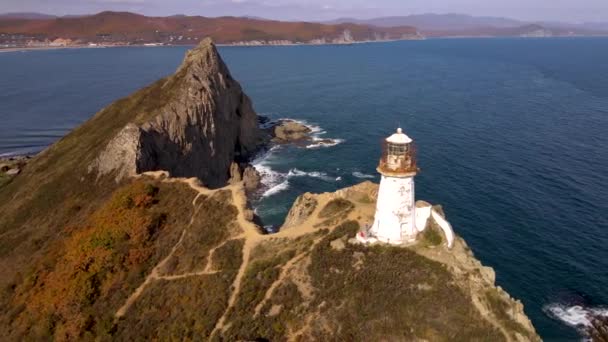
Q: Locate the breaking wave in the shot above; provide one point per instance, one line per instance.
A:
(328, 142)
(317, 135)
(313, 174)
(363, 175)
(274, 182)
(576, 316)
(276, 189)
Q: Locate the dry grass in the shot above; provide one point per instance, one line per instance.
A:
(338, 206)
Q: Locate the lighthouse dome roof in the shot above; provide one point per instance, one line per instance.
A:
(399, 138)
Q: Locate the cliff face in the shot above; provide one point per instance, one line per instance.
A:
(204, 123)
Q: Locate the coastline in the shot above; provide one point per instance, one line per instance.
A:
(271, 44)
(238, 44)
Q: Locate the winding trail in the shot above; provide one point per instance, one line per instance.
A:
(154, 275)
(284, 272)
(251, 233)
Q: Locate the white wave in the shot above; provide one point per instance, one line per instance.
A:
(362, 175)
(575, 316)
(276, 189)
(272, 181)
(314, 128)
(316, 133)
(313, 174)
(319, 143)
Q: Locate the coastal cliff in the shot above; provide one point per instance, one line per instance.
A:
(202, 125)
(135, 226)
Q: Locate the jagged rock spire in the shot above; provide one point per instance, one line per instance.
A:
(194, 124)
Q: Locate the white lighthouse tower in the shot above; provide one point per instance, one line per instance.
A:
(395, 218)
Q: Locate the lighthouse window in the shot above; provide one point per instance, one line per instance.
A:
(397, 149)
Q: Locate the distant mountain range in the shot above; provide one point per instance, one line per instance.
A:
(436, 22)
(466, 25)
(122, 28)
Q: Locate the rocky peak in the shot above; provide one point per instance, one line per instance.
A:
(195, 123)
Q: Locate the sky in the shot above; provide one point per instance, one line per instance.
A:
(532, 10)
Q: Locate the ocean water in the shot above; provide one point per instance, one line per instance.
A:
(512, 136)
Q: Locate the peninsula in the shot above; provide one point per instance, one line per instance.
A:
(135, 226)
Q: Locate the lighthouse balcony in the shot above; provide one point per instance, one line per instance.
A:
(397, 166)
(398, 157)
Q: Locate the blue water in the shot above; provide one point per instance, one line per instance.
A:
(511, 133)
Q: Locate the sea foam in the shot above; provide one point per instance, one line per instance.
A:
(362, 175)
(576, 316)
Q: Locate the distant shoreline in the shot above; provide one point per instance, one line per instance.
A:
(47, 48)
(240, 44)
(246, 44)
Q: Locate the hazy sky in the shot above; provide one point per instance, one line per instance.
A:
(563, 10)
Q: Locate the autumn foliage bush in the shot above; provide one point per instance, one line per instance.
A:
(95, 265)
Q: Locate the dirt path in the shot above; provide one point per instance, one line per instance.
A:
(284, 272)
(236, 286)
(153, 276)
(251, 233)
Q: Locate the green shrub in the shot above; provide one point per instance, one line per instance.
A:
(431, 236)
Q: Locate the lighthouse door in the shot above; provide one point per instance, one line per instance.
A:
(406, 230)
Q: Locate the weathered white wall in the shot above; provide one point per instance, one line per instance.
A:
(395, 211)
(422, 216)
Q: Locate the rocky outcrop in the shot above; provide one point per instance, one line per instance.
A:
(474, 281)
(598, 331)
(251, 178)
(201, 125)
(288, 131)
(301, 210)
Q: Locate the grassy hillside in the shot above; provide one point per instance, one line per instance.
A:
(90, 268)
(43, 197)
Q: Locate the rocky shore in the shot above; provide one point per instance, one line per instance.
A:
(11, 167)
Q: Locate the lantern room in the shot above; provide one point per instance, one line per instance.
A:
(398, 157)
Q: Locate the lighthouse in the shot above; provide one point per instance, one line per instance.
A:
(398, 219)
(395, 218)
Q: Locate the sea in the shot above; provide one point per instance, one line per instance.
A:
(512, 139)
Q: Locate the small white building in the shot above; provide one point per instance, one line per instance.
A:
(396, 220)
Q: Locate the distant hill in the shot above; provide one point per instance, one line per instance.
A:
(437, 22)
(124, 27)
(454, 25)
